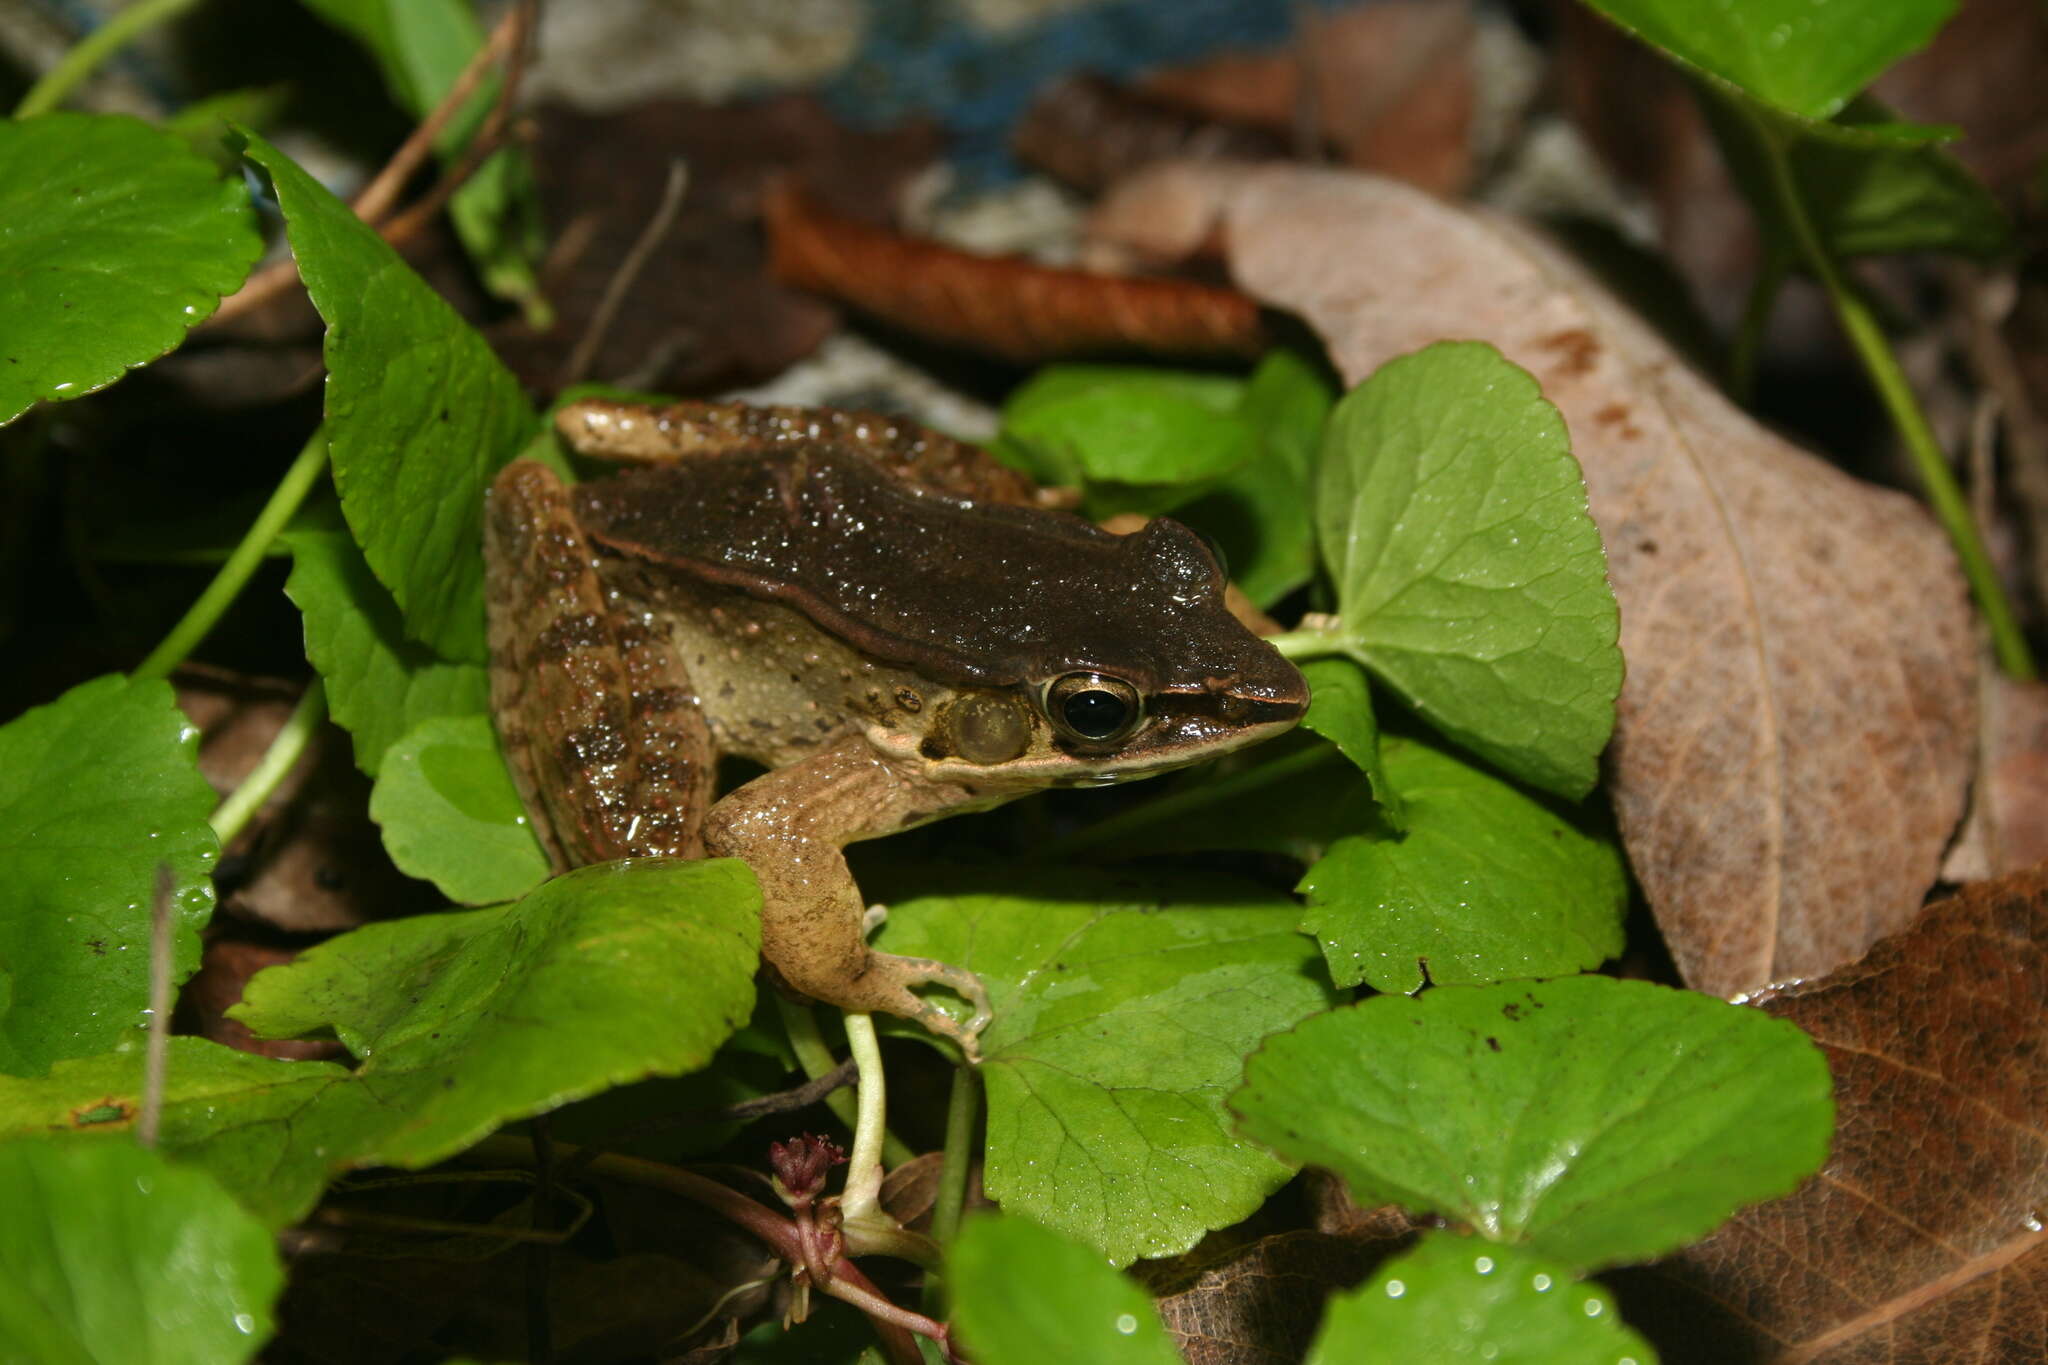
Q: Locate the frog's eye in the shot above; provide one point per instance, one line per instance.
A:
(1093, 707)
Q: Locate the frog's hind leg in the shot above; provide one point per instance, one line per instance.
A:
(790, 825)
(602, 732)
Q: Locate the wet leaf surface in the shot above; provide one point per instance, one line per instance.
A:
(99, 787)
(115, 239)
(1795, 734)
(1591, 1120)
(1123, 1008)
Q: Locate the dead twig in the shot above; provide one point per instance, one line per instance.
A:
(630, 266)
(508, 43)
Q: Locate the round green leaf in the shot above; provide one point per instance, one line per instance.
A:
(1455, 1299)
(1123, 1009)
(1488, 883)
(379, 684)
(1024, 1295)
(464, 1021)
(115, 240)
(1469, 574)
(1595, 1121)
(96, 789)
(1807, 57)
(420, 413)
(450, 814)
(109, 1255)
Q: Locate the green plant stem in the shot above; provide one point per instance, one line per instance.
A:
(234, 575)
(80, 62)
(1868, 340)
(963, 1108)
(1307, 642)
(278, 759)
(800, 1025)
(862, 1197)
(1756, 321)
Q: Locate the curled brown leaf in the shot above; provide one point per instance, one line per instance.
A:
(1795, 735)
(1003, 305)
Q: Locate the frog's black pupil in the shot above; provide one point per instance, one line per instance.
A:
(1096, 712)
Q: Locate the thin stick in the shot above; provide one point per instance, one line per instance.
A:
(377, 198)
(374, 203)
(77, 64)
(578, 363)
(157, 1057)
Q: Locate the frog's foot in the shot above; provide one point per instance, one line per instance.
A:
(904, 973)
(874, 918)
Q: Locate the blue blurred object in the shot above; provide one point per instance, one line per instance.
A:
(927, 57)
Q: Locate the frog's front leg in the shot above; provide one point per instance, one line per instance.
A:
(791, 825)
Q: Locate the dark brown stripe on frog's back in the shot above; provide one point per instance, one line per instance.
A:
(601, 775)
(960, 591)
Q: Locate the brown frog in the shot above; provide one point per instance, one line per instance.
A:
(886, 619)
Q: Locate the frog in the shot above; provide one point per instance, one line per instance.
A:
(890, 624)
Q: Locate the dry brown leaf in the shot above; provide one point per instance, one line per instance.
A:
(1089, 132)
(1393, 88)
(2007, 828)
(1233, 1301)
(705, 313)
(1003, 305)
(1921, 1239)
(1795, 735)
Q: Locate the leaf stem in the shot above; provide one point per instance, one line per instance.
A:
(1868, 340)
(78, 63)
(234, 575)
(800, 1025)
(279, 759)
(1307, 642)
(963, 1108)
(1756, 321)
(861, 1199)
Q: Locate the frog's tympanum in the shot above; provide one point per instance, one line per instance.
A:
(885, 619)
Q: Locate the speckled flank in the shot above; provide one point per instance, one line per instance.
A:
(597, 717)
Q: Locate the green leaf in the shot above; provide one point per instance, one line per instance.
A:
(96, 789)
(1867, 185)
(115, 240)
(422, 46)
(450, 815)
(464, 1022)
(1024, 1295)
(1123, 1009)
(109, 1255)
(1595, 1121)
(1807, 57)
(1488, 884)
(1137, 440)
(420, 412)
(607, 975)
(1259, 516)
(1341, 712)
(1455, 1299)
(379, 684)
(1469, 575)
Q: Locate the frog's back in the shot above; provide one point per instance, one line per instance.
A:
(965, 590)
